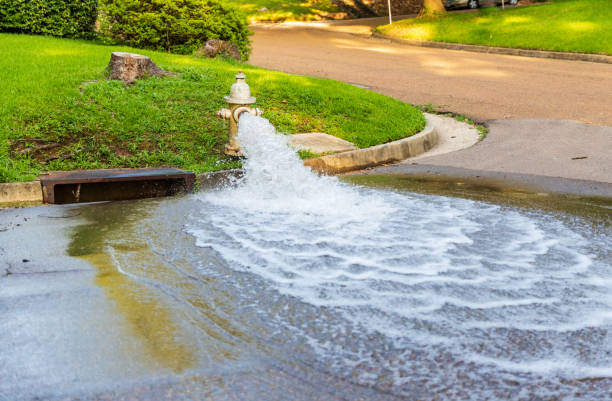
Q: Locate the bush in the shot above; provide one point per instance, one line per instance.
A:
(66, 18)
(177, 26)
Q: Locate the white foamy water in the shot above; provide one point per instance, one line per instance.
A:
(498, 288)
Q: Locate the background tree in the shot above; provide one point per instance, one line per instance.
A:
(431, 7)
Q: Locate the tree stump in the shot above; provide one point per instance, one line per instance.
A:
(129, 67)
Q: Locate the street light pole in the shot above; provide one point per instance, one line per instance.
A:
(390, 18)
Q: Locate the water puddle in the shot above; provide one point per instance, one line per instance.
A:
(414, 288)
(145, 316)
(390, 289)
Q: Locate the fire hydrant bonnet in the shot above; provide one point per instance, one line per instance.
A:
(240, 93)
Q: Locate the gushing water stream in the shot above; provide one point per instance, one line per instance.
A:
(415, 290)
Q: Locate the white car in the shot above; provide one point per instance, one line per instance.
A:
(474, 3)
(507, 2)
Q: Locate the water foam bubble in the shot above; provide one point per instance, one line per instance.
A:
(438, 274)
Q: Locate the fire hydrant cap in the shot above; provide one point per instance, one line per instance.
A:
(240, 93)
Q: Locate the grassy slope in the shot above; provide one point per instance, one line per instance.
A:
(287, 10)
(50, 120)
(565, 25)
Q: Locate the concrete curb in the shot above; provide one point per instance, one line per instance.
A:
(593, 58)
(376, 155)
(217, 179)
(21, 192)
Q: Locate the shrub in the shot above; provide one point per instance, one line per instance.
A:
(68, 18)
(177, 26)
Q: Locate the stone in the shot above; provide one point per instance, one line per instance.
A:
(320, 143)
(216, 47)
(128, 67)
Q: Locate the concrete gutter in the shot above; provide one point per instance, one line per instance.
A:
(376, 155)
(496, 179)
(14, 192)
(518, 181)
(593, 58)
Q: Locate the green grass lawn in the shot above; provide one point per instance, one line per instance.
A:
(53, 117)
(288, 10)
(583, 26)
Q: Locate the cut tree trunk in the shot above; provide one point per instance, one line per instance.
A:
(129, 67)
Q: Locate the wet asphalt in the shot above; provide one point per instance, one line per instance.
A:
(73, 330)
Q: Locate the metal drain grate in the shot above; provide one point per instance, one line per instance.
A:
(114, 184)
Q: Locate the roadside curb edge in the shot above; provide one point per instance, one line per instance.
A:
(511, 51)
(376, 155)
(30, 191)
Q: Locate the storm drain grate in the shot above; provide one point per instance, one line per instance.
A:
(114, 184)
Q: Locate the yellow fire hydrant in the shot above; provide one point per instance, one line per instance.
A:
(240, 101)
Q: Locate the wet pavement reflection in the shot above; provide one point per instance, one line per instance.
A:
(116, 301)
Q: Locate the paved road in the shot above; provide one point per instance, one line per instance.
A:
(79, 327)
(484, 86)
(527, 101)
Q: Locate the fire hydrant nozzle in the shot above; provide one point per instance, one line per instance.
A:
(225, 113)
(244, 109)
